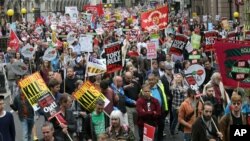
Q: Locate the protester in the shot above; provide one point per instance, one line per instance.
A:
(221, 95)
(67, 126)
(25, 115)
(96, 122)
(178, 92)
(131, 90)
(117, 130)
(203, 128)
(11, 76)
(7, 128)
(186, 113)
(158, 92)
(68, 85)
(148, 109)
(208, 96)
(54, 87)
(235, 117)
(117, 87)
(48, 132)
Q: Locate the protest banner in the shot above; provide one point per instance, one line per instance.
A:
(86, 43)
(232, 35)
(33, 87)
(196, 41)
(28, 51)
(233, 60)
(158, 17)
(247, 35)
(179, 44)
(148, 132)
(114, 57)
(151, 50)
(96, 66)
(48, 105)
(94, 9)
(210, 37)
(87, 96)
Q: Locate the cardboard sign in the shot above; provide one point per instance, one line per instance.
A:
(33, 87)
(148, 132)
(247, 35)
(210, 37)
(151, 51)
(71, 37)
(87, 96)
(234, 62)
(48, 105)
(114, 57)
(198, 72)
(27, 51)
(179, 44)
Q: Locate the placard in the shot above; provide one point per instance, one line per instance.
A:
(114, 57)
(87, 96)
(33, 87)
(151, 51)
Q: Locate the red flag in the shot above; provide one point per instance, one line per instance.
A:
(40, 21)
(100, 9)
(13, 41)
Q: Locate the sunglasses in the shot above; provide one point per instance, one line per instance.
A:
(237, 103)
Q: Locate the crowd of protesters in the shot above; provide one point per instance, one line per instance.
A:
(144, 91)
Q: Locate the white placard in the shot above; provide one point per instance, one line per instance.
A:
(86, 43)
(73, 13)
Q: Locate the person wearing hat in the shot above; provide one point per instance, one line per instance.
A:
(7, 124)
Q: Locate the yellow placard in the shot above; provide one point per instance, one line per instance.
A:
(87, 96)
(33, 87)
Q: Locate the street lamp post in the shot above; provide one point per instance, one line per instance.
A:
(23, 12)
(10, 13)
(236, 23)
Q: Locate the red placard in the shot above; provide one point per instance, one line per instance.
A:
(179, 44)
(148, 132)
(155, 17)
(151, 51)
(94, 8)
(210, 37)
(234, 60)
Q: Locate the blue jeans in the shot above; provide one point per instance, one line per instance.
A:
(175, 120)
(187, 136)
(27, 125)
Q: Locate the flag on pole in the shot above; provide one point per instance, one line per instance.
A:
(13, 41)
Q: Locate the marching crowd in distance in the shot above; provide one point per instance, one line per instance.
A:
(144, 91)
